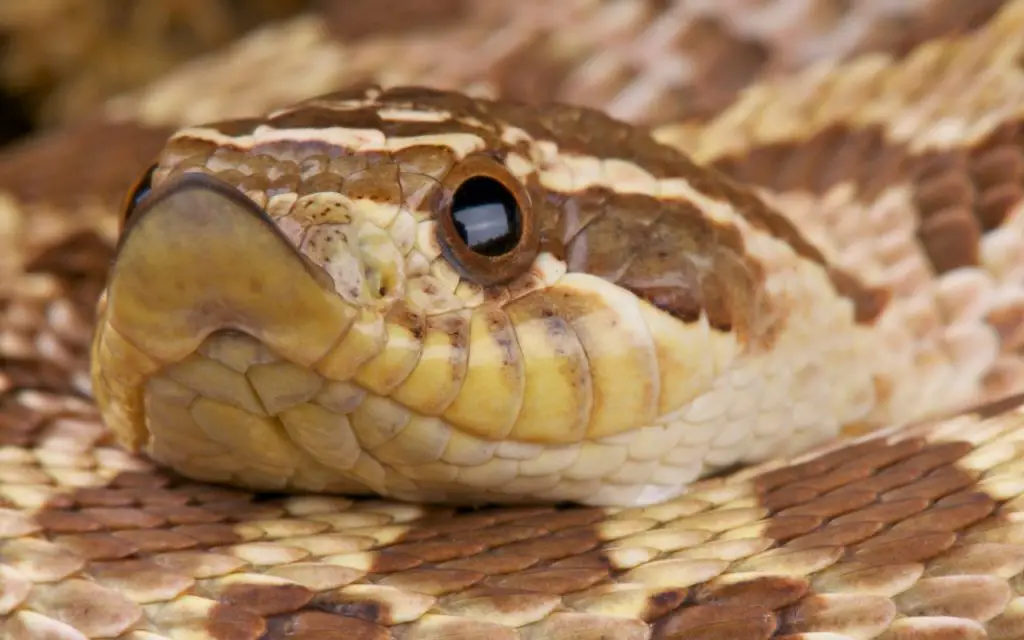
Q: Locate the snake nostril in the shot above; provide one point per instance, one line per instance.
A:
(379, 283)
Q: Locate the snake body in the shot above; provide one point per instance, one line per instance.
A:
(297, 304)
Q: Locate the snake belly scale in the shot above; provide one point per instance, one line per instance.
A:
(448, 301)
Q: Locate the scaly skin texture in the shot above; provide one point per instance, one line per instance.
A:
(910, 533)
(651, 328)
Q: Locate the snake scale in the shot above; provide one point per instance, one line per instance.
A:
(724, 364)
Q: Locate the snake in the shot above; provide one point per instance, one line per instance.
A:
(407, 362)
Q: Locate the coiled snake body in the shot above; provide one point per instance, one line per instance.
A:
(451, 301)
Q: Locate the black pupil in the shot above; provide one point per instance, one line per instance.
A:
(486, 216)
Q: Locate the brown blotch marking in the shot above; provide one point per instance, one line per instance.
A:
(550, 579)
(666, 273)
(774, 592)
(498, 599)
(578, 130)
(386, 561)
(227, 622)
(817, 612)
(66, 521)
(210, 534)
(591, 133)
(104, 497)
(98, 546)
(941, 482)
(954, 517)
(237, 127)
(158, 541)
(615, 232)
(349, 163)
(378, 182)
(320, 625)
(461, 107)
(308, 116)
(958, 193)
(998, 407)
(833, 503)
(266, 599)
(661, 603)
(912, 547)
(788, 527)
(320, 183)
(557, 545)
(433, 581)
(651, 247)
(869, 302)
(339, 603)
(491, 563)
(188, 514)
(751, 622)
(837, 535)
(596, 558)
(884, 513)
(115, 518)
(416, 128)
(435, 551)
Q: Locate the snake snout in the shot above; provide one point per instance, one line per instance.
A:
(198, 258)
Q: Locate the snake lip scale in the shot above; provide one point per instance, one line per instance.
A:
(327, 335)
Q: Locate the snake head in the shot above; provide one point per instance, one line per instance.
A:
(416, 294)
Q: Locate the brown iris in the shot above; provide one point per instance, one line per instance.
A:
(485, 223)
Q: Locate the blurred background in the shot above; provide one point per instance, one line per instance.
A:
(643, 60)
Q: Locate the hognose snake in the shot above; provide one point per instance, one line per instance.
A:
(911, 534)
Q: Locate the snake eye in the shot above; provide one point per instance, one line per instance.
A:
(143, 185)
(486, 216)
(486, 224)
